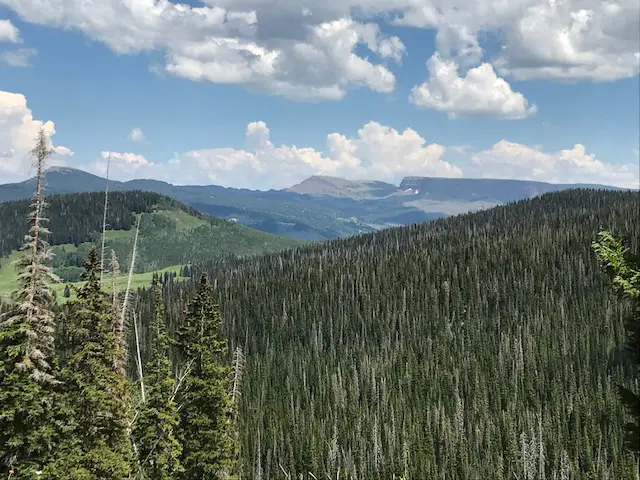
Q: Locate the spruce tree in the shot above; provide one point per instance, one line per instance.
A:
(27, 357)
(96, 443)
(154, 431)
(624, 270)
(206, 431)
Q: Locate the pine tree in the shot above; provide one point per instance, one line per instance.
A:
(625, 273)
(206, 430)
(154, 431)
(27, 357)
(96, 443)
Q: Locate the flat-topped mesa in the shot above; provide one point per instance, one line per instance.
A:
(325, 185)
(487, 189)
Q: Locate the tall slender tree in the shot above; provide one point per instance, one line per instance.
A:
(206, 430)
(27, 357)
(624, 271)
(94, 393)
(154, 430)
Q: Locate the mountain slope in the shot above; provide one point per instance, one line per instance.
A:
(319, 185)
(462, 348)
(484, 189)
(319, 208)
(171, 233)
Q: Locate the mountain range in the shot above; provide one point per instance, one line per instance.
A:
(320, 207)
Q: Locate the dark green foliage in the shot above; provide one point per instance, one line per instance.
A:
(26, 428)
(624, 270)
(93, 396)
(164, 241)
(76, 218)
(27, 356)
(155, 427)
(450, 350)
(206, 430)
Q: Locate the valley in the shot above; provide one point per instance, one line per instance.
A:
(319, 208)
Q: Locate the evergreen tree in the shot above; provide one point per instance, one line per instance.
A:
(154, 431)
(206, 431)
(27, 359)
(625, 273)
(96, 442)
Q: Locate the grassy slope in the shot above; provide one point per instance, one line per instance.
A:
(9, 277)
(210, 239)
(138, 280)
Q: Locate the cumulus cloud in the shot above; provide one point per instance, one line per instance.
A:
(273, 49)
(18, 58)
(546, 39)
(9, 32)
(18, 133)
(376, 152)
(306, 49)
(136, 135)
(513, 160)
(586, 40)
(479, 92)
(63, 151)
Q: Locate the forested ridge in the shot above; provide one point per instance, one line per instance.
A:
(77, 217)
(486, 345)
(171, 233)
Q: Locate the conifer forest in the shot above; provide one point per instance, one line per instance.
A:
(500, 344)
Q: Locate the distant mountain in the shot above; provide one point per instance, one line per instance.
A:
(319, 208)
(484, 189)
(339, 187)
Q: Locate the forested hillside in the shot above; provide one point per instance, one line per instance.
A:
(483, 346)
(171, 233)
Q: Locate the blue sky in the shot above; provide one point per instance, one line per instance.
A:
(563, 110)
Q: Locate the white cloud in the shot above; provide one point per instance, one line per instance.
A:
(63, 151)
(130, 159)
(275, 50)
(479, 92)
(513, 160)
(9, 32)
(18, 133)
(306, 49)
(137, 136)
(18, 58)
(549, 39)
(585, 40)
(376, 152)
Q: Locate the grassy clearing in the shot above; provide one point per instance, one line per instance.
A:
(9, 278)
(138, 280)
(8, 274)
(183, 220)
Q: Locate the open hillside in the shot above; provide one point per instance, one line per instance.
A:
(170, 233)
(481, 346)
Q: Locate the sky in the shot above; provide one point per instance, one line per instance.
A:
(262, 94)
